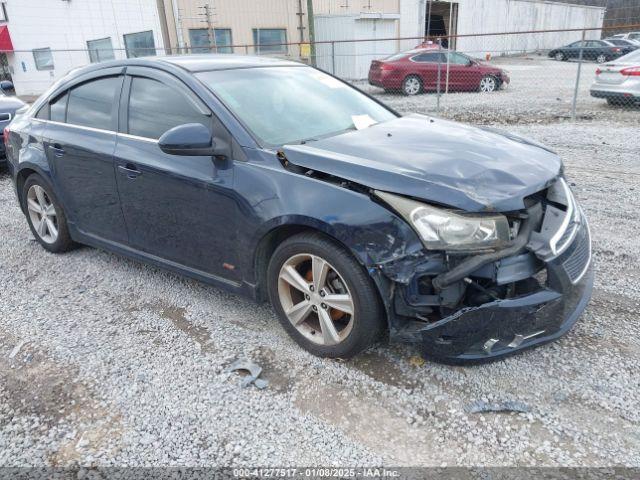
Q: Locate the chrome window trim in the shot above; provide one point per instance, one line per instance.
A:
(80, 127)
(137, 137)
(98, 130)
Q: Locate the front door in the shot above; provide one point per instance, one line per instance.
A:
(177, 208)
(80, 141)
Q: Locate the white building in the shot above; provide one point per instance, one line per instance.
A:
(415, 19)
(47, 38)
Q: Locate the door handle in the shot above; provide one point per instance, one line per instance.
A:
(57, 150)
(130, 170)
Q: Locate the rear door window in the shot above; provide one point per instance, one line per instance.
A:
(155, 108)
(432, 57)
(92, 103)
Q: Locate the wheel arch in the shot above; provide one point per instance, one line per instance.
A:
(280, 232)
(25, 172)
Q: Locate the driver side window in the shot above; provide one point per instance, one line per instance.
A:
(155, 108)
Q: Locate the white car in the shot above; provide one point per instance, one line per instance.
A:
(618, 81)
(632, 36)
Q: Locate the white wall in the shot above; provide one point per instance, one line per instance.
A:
(490, 16)
(67, 25)
(351, 60)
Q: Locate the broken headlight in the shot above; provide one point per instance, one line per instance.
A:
(442, 229)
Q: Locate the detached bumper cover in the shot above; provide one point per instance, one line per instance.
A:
(506, 326)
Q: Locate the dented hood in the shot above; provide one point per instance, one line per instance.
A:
(474, 169)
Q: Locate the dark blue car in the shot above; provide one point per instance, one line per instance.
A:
(276, 180)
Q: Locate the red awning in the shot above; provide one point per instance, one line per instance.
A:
(5, 40)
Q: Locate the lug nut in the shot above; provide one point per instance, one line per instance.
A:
(324, 306)
(311, 288)
(322, 294)
(315, 309)
(307, 297)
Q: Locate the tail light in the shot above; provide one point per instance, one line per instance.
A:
(615, 49)
(598, 71)
(631, 72)
(5, 135)
(386, 66)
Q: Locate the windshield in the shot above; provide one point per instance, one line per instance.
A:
(282, 105)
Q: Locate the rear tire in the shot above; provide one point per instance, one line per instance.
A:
(559, 56)
(602, 58)
(412, 85)
(308, 270)
(45, 215)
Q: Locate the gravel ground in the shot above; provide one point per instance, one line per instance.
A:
(105, 361)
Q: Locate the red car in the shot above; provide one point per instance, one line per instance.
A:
(416, 71)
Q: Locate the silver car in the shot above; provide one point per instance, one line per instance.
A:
(618, 81)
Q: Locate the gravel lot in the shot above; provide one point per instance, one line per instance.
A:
(105, 361)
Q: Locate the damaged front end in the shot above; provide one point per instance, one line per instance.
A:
(472, 306)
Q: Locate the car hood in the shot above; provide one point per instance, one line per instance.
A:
(443, 162)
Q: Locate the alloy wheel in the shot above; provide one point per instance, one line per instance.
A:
(42, 214)
(560, 56)
(316, 300)
(487, 84)
(601, 58)
(412, 86)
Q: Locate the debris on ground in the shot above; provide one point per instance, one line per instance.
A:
(17, 348)
(254, 371)
(416, 361)
(480, 406)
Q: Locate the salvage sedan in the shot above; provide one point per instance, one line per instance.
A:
(273, 179)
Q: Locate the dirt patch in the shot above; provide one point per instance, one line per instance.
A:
(178, 318)
(381, 369)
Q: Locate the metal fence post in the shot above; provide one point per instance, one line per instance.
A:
(333, 58)
(575, 91)
(439, 74)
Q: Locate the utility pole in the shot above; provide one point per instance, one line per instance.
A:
(208, 14)
(312, 34)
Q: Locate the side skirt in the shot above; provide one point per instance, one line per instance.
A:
(241, 288)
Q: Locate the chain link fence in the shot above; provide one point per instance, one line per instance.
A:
(514, 77)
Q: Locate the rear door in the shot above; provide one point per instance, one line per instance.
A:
(79, 143)
(178, 208)
(427, 65)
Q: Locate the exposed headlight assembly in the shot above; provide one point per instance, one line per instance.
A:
(442, 229)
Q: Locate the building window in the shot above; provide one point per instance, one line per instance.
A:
(270, 40)
(43, 59)
(139, 44)
(199, 40)
(100, 50)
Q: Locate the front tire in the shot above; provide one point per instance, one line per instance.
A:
(45, 215)
(412, 85)
(324, 299)
(488, 84)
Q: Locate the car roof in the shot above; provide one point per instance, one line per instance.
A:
(224, 61)
(192, 63)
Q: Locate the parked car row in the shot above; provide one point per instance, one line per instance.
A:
(599, 50)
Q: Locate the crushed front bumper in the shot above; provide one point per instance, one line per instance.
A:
(503, 327)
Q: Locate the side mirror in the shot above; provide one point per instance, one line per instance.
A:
(6, 86)
(188, 139)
